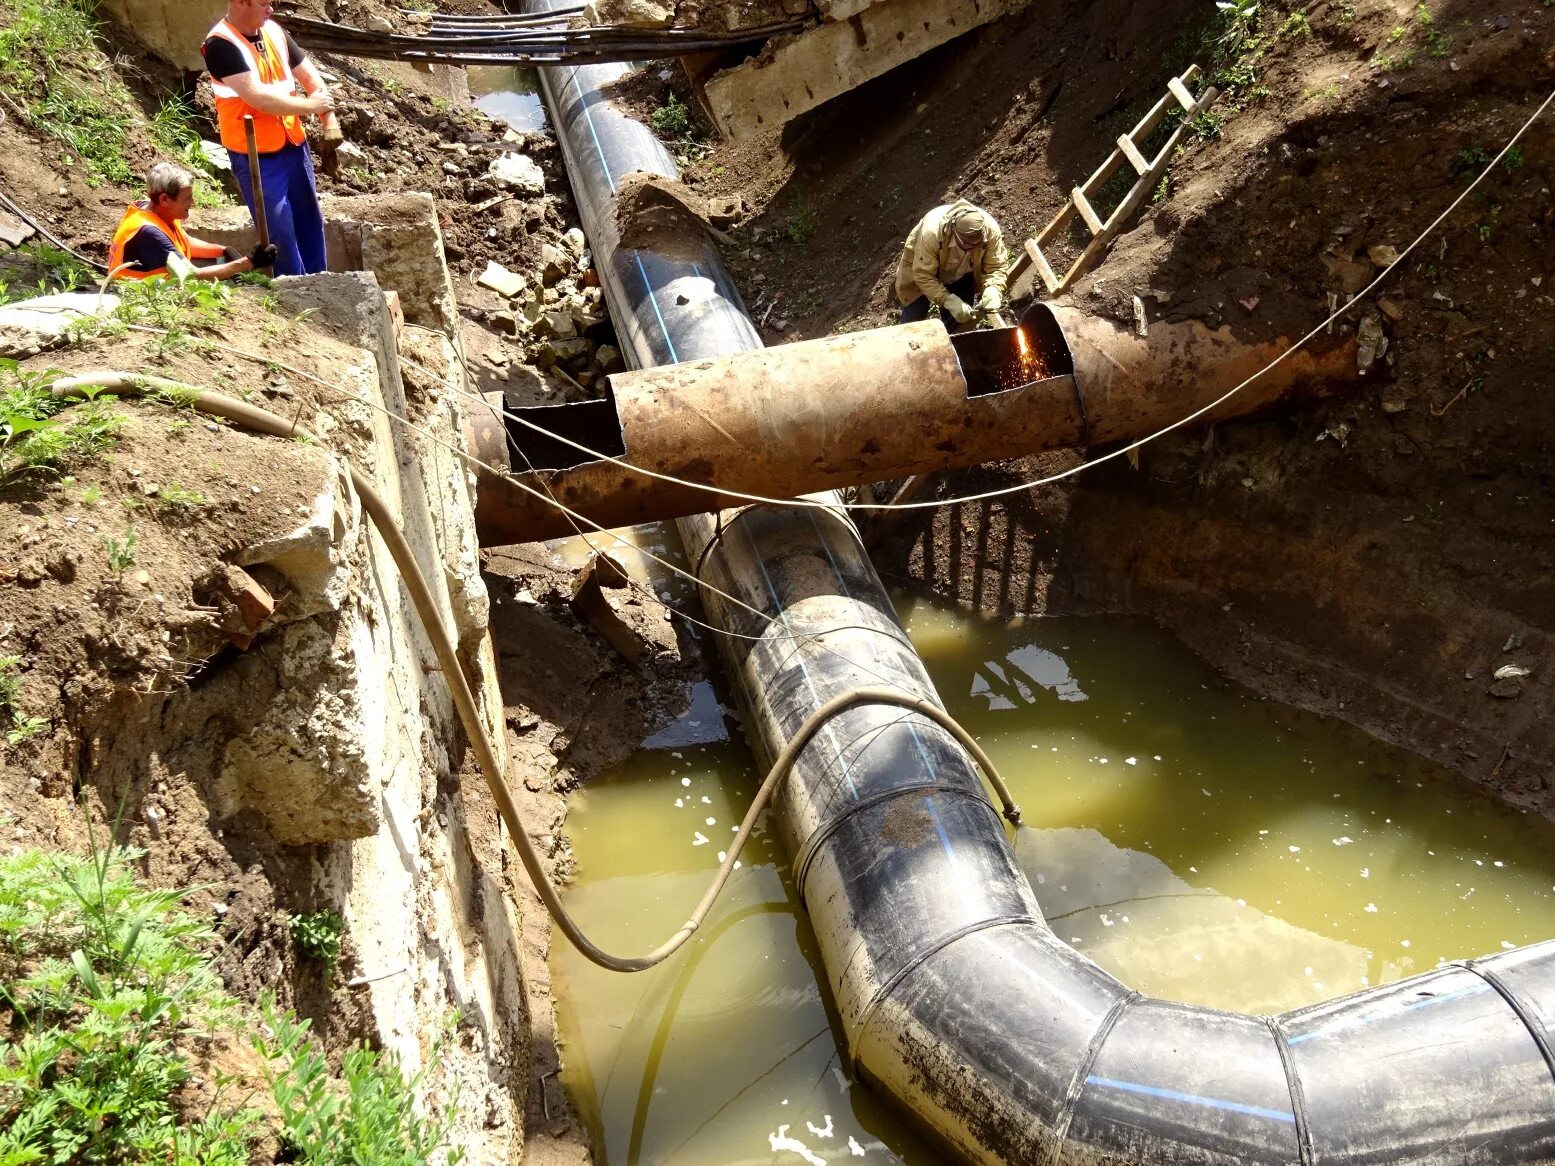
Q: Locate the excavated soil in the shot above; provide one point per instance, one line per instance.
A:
(121, 658)
(1379, 558)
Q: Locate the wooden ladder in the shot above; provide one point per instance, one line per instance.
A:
(1149, 171)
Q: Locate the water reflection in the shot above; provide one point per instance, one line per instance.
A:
(1200, 844)
(509, 94)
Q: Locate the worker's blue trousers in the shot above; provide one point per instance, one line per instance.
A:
(292, 205)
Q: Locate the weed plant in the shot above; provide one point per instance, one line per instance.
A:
(61, 79)
(32, 435)
(105, 987)
(317, 936)
(373, 1121)
(103, 979)
(18, 725)
(121, 551)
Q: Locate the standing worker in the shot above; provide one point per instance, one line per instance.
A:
(955, 254)
(256, 70)
(152, 230)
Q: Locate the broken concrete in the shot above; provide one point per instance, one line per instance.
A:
(38, 325)
(810, 69)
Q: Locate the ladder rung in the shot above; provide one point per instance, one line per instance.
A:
(1087, 212)
(1180, 92)
(1039, 261)
(1131, 152)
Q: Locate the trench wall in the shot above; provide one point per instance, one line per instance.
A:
(359, 754)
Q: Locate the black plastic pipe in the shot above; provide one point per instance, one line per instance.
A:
(955, 997)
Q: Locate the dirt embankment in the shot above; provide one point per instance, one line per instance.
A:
(1384, 558)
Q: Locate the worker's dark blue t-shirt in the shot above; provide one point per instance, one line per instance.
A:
(148, 249)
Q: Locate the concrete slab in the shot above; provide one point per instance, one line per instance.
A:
(826, 62)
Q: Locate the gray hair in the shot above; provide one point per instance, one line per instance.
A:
(166, 178)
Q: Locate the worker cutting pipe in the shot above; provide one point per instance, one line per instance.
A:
(954, 258)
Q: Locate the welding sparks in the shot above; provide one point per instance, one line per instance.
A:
(1032, 366)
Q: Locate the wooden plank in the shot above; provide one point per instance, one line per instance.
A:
(1044, 269)
(1131, 152)
(1180, 92)
(1087, 211)
(1056, 223)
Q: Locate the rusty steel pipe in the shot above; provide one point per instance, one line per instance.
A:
(870, 406)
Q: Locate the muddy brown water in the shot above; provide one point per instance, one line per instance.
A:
(1198, 843)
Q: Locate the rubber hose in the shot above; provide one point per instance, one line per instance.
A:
(263, 421)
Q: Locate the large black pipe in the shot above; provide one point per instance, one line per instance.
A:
(955, 997)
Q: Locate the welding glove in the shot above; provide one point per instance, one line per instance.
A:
(262, 256)
(958, 309)
(991, 302)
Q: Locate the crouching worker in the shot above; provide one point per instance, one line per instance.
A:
(953, 258)
(153, 229)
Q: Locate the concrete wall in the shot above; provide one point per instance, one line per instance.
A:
(172, 29)
(395, 236)
(361, 753)
(433, 926)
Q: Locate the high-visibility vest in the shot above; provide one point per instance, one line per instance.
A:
(136, 217)
(271, 131)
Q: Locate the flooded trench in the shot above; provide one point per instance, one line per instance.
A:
(1200, 844)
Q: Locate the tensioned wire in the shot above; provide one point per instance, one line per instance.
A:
(1084, 465)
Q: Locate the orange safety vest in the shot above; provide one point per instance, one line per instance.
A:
(272, 132)
(136, 217)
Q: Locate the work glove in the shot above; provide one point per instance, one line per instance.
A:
(329, 149)
(991, 302)
(263, 256)
(958, 309)
(229, 254)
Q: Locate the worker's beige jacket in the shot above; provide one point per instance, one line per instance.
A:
(931, 258)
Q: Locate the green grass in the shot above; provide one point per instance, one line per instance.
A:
(37, 434)
(174, 496)
(105, 986)
(51, 270)
(54, 68)
(103, 980)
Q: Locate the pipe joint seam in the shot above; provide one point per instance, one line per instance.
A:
(822, 834)
(1529, 1021)
(1082, 1070)
(867, 1013)
(1298, 1095)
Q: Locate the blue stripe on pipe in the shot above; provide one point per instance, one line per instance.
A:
(599, 149)
(939, 828)
(1192, 1098)
(1347, 1022)
(653, 302)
